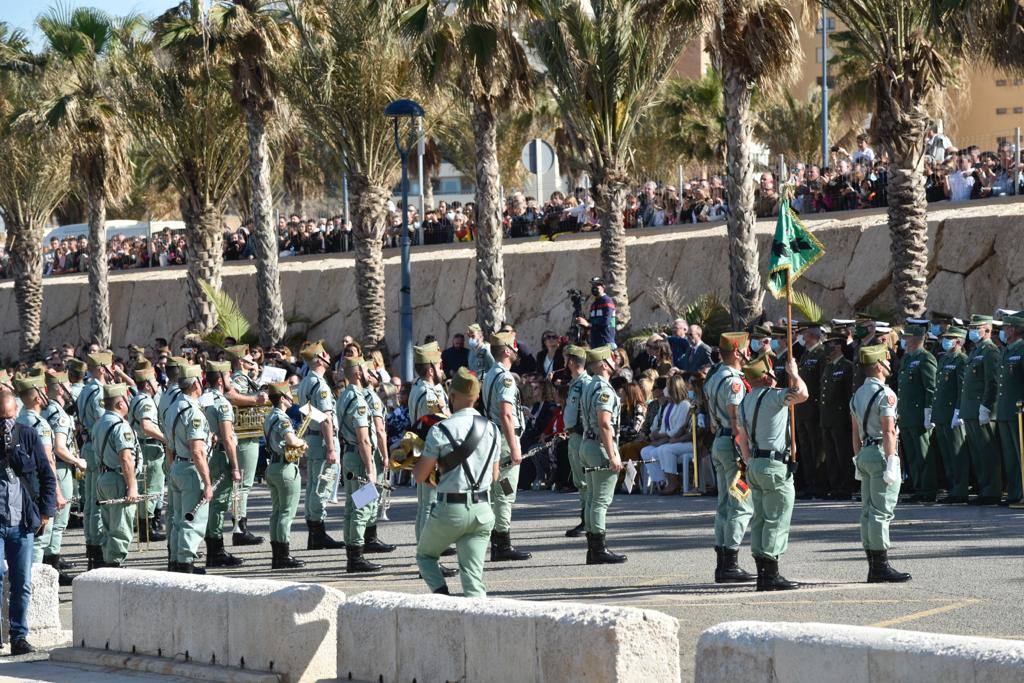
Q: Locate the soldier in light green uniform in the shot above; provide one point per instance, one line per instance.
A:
(322, 456)
(167, 409)
(501, 403)
(949, 426)
(283, 477)
(480, 358)
(764, 442)
(371, 541)
(599, 451)
(243, 392)
(916, 396)
(977, 408)
(65, 453)
(31, 390)
(1011, 391)
(190, 485)
(873, 423)
(576, 362)
(723, 392)
(142, 416)
(89, 409)
(117, 455)
(359, 442)
(465, 448)
(76, 376)
(222, 461)
(426, 397)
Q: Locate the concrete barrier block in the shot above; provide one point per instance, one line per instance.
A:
(368, 636)
(501, 637)
(96, 618)
(435, 621)
(43, 616)
(823, 653)
(286, 627)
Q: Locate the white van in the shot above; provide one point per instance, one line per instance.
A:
(125, 228)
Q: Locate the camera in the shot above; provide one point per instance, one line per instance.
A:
(576, 333)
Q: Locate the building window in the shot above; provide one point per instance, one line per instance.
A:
(1000, 82)
(1018, 110)
(1000, 111)
(450, 186)
(831, 25)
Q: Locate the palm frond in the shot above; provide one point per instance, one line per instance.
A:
(809, 309)
(231, 321)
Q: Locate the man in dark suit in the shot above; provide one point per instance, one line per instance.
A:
(698, 355)
(455, 356)
(28, 500)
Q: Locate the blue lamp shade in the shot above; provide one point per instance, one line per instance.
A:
(403, 109)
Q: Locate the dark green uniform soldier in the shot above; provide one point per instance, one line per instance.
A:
(142, 416)
(977, 410)
(949, 427)
(1011, 391)
(873, 422)
(916, 396)
(724, 390)
(576, 362)
(118, 456)
(764, 443)
(808, 432)
(834, 414)
(223, 462)
(283, 477)
(465, 448)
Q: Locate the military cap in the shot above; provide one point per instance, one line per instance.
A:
(313, 350)
(354, 361)
(237, 352)
(758, 367)
(980, 320)
(191, 372)
(136, 349)
(1015, 320)
(600, 353)
(733, 341)
(843, 322)
(914, 330)
(466, 383)
(218, 366)
(474, 328)
(761, 331)
(102, 358)
(23, 383)
(575, 352)
(36, 370)
(144, 374)
(503, 339)
(955, 333)
(597, 280)
(178, 361)
(834, 335)
(55, 378)
(428, 353)
(143, 364)
(870, 355)
(115, 390)
(279, 389)
(882, 328)
(164, 350)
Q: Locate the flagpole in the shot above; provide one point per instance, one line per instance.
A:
(789, 356)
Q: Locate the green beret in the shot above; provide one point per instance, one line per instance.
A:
(573, 351)
(311, 351)
(191, 372)
(218, 366)
(115, 390)
(144, 374)
(869, 355)
(733, 341)
(980, 320)
(1015, 320)
(598, 354)
(76, 365)
(955, 333)
(237, 352)
(23, 383)
(759, 366)
(56, 378)
(466, 383)
(428, 353)
(279, 389)
(178, 361)
(102, 358)
(503, 339)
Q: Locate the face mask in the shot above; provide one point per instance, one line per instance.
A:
(776, 345)
(1002, 336)
(947, 344)
(472, 342)
(755, 345)
(859, 332)
(974, 336)
(595, 291)
(935, 330)
(903, 344)
(691, 394)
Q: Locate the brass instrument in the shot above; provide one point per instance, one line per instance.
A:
(385, 503)
(236, 498)
(363, 480)
(191, 515)
(249, 421)
(326, 477)
(406, 454)
(293, 453)
(122, 501)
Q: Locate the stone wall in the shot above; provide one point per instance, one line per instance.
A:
(976, 264)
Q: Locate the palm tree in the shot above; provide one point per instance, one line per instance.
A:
(754, 49)
(342, 94)
(473, 45)
(914, 49)
(605, 65)
(697, 107)
(256, 34)
(84, 44)
(179, 101)
(34, 180)
(792, 127)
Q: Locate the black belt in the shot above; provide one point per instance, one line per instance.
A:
(472, 496)
(872, 441)
(724, 431)
(188, 459)
(781, 456)
(578, 429)
(104, 469)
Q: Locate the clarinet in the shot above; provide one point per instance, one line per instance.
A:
(191, 516)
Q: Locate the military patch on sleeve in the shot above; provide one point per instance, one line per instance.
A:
(891, 398)
(736, 386)
(604, 397)
(196, 423)
(64, 422)
(47, 434)
(129, 436)
(361, 410)
(509, 382)
(147, 407)
(224, 408)
(323, 393)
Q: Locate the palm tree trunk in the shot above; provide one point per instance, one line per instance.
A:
(428, 190)
(204, 251)
(490, 266)
(27, 270)
(745, 281)
(99, 286)
(268, 276)
(368, 231)
(610, 185)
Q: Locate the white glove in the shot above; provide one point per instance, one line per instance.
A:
(928, 424)
(856, 472)
(892, 474)
(700, 420)
(957, 422)
(984, 415)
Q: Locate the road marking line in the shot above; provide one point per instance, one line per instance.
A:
(926, 613)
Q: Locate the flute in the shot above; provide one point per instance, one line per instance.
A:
(191, 516)
(122, 501)
(608, 469)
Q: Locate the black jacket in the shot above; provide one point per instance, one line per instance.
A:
(38, 482)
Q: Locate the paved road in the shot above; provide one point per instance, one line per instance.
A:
(966, 562)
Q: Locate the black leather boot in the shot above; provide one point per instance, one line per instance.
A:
(448, 572)
(730, 571)
(718, 564)
(154, 532)
(772, 580)
(356, 564)
(443, 590)
(372, 544)
(503, 550)
(282, 558)
(577, 530)
(190, 568)
(216, 556)
(157, 523)
(879, 570)
(61, 565)
(599, 553)
(94, 555)
(242, 535)
(759, 564)
(318, 538)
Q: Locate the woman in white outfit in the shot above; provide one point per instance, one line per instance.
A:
(674, 447)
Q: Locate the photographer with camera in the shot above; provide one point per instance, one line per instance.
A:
(602, 323)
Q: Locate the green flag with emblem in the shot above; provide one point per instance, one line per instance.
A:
(794, 249)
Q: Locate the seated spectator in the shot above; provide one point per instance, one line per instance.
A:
(674, 445)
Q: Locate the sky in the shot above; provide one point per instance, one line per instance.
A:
(22, 13)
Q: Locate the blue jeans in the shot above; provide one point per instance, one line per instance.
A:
(16, 547)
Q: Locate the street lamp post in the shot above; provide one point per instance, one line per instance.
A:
(405, 109)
